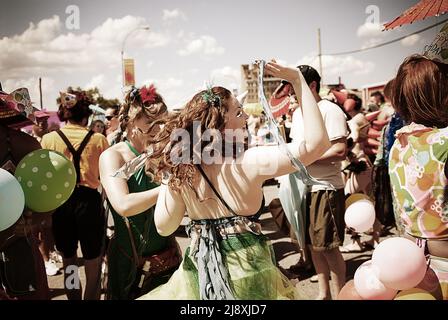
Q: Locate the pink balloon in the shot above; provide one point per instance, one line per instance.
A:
(368, 286)
(360, 215)
(348, 292)
(402, 264)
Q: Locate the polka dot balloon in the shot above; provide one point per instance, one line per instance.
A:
(47, 178)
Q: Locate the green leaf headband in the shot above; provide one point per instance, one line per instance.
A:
(211, 98)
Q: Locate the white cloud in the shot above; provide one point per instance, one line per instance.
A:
(96, 81)
(42, 47)
(47, 49)
(371, 42)
(180, 34)
(228, 72)
(165, 84)
(334, 66)
(372, 34)
(369, 29)
(32, 84)
(227, 77)
(410, 41)
(172, 83)
(168, 88)
(173, 14)
(109, 88)
(151, 40)
(204, 45)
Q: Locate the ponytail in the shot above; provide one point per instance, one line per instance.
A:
(123, 119)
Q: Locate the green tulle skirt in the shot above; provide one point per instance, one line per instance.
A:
(253, 274)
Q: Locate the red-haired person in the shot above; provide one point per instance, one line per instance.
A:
(132, 203)
(218, 182)
(418, 166)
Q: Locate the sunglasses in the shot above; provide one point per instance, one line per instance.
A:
(108, 118)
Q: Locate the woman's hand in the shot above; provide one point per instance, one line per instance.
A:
(278, 71)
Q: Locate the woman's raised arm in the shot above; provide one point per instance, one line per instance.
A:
(271, 161)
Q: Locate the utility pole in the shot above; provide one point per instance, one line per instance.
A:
(122, 50)
(40, 92)
(320, 57)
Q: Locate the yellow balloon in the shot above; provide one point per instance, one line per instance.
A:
(414, 294)
(356, 197)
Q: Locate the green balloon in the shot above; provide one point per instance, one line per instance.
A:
(47, 178)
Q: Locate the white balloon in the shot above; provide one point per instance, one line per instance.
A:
(402, 264)
(360, 215)
(12, 200)
(368, 286)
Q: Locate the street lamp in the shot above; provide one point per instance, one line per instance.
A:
(122, 49)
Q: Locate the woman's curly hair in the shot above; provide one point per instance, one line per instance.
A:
(205, 111)
(79, 111)
(134, 108)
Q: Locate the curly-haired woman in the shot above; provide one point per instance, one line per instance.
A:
(219, 183)
(132, 203)
(418, 166)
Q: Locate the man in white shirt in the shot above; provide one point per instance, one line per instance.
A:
(325, 207)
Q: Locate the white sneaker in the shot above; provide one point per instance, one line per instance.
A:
(51, 268)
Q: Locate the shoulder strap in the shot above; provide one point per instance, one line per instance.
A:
(131, 238)
(214, 190)
(66, 141)
(76, 153)
(131, 147)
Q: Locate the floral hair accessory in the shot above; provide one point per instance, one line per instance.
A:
(144, 94)
(211, 98)
(68, 100)
(148, 95)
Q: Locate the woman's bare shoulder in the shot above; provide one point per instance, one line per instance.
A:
(116, 154)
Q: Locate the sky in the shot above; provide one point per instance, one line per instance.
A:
(194, 42)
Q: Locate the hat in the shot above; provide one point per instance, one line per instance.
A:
(16, 109)
(438, 49)
(340, 96)
(309, 73)
(280, 100)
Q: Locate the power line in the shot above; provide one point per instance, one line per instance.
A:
(385, 43)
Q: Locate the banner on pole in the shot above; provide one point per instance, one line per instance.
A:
(129, 72)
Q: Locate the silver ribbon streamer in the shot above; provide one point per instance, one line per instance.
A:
(132, 166)
(301, 172)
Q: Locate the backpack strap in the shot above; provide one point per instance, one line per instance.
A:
(214, 190)
(76, 153)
